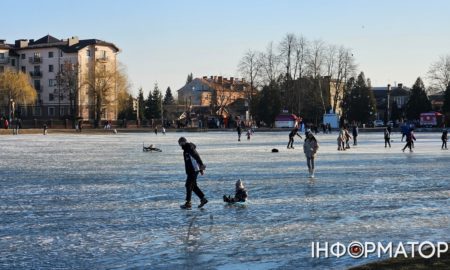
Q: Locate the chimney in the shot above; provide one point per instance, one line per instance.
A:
(231, 80)
(219, 79)
(21, 43)
(400, 85)
(72, 41)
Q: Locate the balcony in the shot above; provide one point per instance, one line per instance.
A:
(102, 59)
(4, 60)
(35, 74)
(35, 60)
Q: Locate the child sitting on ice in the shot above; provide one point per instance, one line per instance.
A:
(240, 196)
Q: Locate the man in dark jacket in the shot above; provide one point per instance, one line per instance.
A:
(291, 137)
(193, 165)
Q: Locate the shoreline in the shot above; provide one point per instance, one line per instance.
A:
(171, 130)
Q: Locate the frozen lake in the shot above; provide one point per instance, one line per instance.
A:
(99, 202)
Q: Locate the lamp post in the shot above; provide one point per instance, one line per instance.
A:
(388, 102)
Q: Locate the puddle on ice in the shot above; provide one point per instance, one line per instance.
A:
(100, 202)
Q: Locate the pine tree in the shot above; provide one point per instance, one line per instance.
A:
(156, 102)
(446, 106)
(148, 107)
(269, 103)
(190, 77)
(168, 98)
(141, 103)
(362, 105)
(418, 101)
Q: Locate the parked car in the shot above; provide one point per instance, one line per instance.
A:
(378, 123)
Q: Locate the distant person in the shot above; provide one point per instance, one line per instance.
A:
(410, 138)
(17, 127)
(292, 134)
(240, 194)
(156, 130)
(80, 125)
(404, 130)
(6, 123)
(347, 138)
(387, 138)
(239, 132)
(249, 134)
(355, 132)
(341, 140)
(310, 147)
(193, 165)
(163, 131)
(45, 129)
(444, 139)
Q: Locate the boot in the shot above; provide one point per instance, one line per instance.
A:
(312, 173)
(186, 206)
(203, 201)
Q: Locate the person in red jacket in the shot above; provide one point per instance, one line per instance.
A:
(193, 165)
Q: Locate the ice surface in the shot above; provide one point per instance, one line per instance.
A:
(99, 202)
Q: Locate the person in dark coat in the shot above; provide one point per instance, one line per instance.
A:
(240, 195)
(387, 137)
(444, 139)
(193, 165)
(410, 138)
(355, 134)
(292, 134)
(239, 131)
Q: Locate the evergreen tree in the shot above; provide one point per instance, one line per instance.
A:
(446, 106)
(418, 101)
(396, 113)
(189, 79)
(269, 103)
(362, 105)
(156, 102)
(141, 103)
(148, 107)
(168, 98)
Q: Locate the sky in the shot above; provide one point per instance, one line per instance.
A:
(163, 41)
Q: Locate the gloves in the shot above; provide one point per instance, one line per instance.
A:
(226, 198)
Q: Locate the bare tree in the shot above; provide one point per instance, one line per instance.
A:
(101, 89)
(345, 68)
(316, 62)
(68, 86)
(250, 68)
(439, 74)
(301, 56)
(270, 64)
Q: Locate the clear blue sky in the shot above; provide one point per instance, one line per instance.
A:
(164, 41)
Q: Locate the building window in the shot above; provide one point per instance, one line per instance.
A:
(37, 55)
(22, 56)
(23, 69)
(37, 85)
(62, 111)
(51, 111)
(60, 54)
(51, 97)
(50, 68)
(51, 82)
(88, 53)
(50, 54)
(37, 69)
(37, 111)
(13, 62)
(2, 55)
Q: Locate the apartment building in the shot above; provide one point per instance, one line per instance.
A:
(47, 60)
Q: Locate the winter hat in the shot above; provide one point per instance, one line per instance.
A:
(182, 139)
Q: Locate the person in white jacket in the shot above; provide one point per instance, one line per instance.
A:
(310, 147)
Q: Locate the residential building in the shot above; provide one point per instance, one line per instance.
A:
(46, 60)
(224, 97)
(398, 96)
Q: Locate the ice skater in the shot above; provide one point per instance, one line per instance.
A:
(410, 138)
(239, 131)
(249, 134)
(444, 140)
(193, 165)
(355, 132)
(156, 130)
(45, 129)
(240, 194)
(341, 140)
(310, 147)
(387, 137)
(292, 134)
(347, 138)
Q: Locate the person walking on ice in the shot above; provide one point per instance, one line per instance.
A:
(387, 138)
(310, 147)
(409, 141)
(193, 165)
(444, 140)
(292, 134)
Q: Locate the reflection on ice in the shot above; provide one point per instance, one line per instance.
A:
(100, 202)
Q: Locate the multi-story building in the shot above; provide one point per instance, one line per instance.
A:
(47, 60)
(220, 93)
